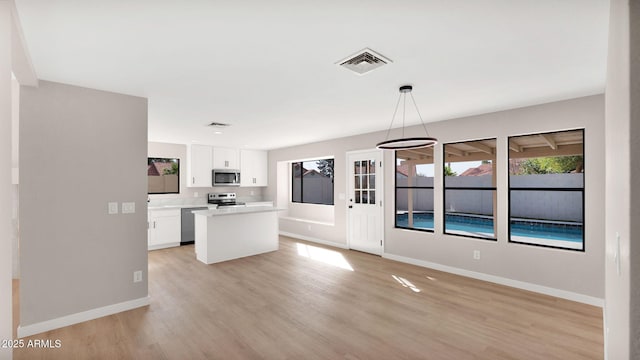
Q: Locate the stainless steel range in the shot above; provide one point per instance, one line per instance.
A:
(224, 199)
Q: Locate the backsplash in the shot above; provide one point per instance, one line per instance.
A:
(198, 196)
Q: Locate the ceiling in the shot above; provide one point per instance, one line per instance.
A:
(268, 67)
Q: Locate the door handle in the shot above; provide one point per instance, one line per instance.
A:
(350, 206)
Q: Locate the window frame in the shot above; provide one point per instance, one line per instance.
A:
(573, 189)
(471, 188)
(333, 165)
(395, 197)
(171, 160)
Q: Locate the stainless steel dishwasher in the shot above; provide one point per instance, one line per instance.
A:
(188, 234)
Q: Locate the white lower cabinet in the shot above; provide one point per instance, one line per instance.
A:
(164, 228)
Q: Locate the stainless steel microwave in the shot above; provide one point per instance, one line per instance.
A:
(226, 177)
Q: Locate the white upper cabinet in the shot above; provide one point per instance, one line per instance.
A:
(253, 168)
(199, 166)
(225, 158)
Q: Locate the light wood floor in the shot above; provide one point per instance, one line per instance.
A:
(283, 305)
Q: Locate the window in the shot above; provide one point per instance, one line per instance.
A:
(546, 189)
(163, 176)
(312, 182)
(470, 189)
(414, 189)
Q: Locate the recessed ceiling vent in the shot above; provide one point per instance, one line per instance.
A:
(218, 124)
(364, 61)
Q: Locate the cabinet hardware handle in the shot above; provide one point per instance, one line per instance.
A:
(154, 224)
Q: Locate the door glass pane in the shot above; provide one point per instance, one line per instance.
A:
(356, 168)
(372, 166)
(364, 167)
(372, 197)
(365, 197)
(356, 185)
(357, 197)
(364, 181)
(372, 181)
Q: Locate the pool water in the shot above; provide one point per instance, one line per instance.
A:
(484, 227)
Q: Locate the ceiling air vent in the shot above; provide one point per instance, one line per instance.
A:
(364, 61)
(218, 124)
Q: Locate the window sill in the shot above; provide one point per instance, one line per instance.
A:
(307, 221)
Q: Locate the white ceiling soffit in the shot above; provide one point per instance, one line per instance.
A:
(269, 69)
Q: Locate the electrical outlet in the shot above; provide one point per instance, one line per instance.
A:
(128, 207)
(476, 254)
(137, 276)
(113, 208)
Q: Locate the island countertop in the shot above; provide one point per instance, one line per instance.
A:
(236, 210)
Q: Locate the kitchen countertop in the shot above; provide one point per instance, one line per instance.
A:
(236, 210)
(162, 207)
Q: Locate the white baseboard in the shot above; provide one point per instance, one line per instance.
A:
(568, 295)
(76, 318)
(313, 239)
(163, 246)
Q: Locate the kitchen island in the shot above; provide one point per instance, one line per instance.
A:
(233, 232)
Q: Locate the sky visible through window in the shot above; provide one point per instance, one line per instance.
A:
(311, 165)
(458, 168)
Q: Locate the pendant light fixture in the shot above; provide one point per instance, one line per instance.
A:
(406, 142)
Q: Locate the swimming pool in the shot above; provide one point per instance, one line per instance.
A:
(481, 226)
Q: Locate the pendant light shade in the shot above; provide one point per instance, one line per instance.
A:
(406, 142)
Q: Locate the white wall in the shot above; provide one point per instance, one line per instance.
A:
(190, 195)
(80, 149)
(634, 167)
(622, 307)
(5, 177)
(535, 265)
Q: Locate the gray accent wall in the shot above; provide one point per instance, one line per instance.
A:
(622, 302)
(80, 149)
(571, 271)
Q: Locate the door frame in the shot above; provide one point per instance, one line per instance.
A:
(379, 194)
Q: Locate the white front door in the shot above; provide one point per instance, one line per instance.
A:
(364, 201)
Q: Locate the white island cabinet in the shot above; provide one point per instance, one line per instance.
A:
(235, 232)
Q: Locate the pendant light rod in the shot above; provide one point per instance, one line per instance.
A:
(404, 142)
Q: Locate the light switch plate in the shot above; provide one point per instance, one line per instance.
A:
(113, 208)
(128, 207)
